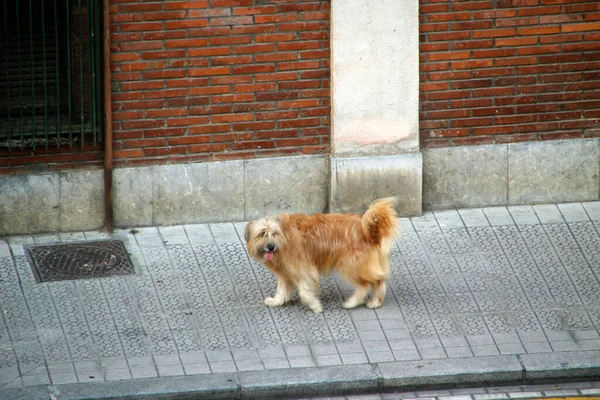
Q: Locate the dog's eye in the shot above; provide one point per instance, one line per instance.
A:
(263, 233)
(274, 233)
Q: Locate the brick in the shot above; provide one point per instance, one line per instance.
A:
(207, 52)
(187, 140)
(262, 144)
(185, 5)
(454, 55)
(457, 123)
(589, 26)
(163, 15)
(212, 31)
(493, 130)
(253, 69)
(187, 121)
(255, 87)
(258, 48)
(472, 5)
(185, 43)
(540, 30)
(253, 29)
(232, 137)
(285, 66)
(472, 44)
(266, 9)
(261, 58)
(140, 26)
(212, 109)
(493, 33)
(523, 41)
(209, 147)
(128, 144)
(521, 21)
(209, 71)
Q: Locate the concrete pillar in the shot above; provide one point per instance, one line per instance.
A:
(375, 104)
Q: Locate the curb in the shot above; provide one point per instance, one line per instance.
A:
(338, 380)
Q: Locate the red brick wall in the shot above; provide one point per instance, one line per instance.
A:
(210, 80)
(509, 71)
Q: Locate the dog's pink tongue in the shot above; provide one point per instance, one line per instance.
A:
(269, 255)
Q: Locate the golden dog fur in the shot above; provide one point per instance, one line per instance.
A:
(298, 248)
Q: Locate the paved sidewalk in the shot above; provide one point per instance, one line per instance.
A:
(498, 295)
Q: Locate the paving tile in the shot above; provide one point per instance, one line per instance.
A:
(296, 362)
(552, 393)
(43, 379)
(490, 396)
(62, 377)
(537, 347)
(458, 352)
(406, 355)
(197, 368)
(143, 372)
(93, 375)
(455, 397)
(590, 392)
(223, 366)
(434, 353)
(249, 365)
(170, 370)
(330, 359)
(349, 347)
(524, 395)
(171, 359)
(564, 345)
(354, 358)
(117, 374)
(278, 363)
(298, 351)
(380, 356)
(485, 350)
(511, 348)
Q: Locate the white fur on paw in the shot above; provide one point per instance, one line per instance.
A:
(273, 302)
(317, 309)
(351, 303)
(374, 303)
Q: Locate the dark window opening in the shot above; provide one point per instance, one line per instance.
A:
(50, 73)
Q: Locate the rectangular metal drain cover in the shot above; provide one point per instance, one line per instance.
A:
(80, 260)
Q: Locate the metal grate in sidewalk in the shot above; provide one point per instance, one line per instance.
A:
(96, 259)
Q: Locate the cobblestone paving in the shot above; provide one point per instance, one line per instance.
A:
(557, 390)
(464, 283)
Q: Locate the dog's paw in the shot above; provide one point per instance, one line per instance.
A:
(318, 309)
(374, 303)
(273, 302)
(351, 303)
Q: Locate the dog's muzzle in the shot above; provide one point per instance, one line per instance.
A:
(270, 251)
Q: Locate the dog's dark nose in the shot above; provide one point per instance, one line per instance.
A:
(270, 247)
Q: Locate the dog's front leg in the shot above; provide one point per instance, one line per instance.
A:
(283, 293)
(309, 292)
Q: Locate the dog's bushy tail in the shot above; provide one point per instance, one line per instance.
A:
(380, 221)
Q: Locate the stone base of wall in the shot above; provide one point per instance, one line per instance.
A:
(458, 177)
(511, 174)
(356, 182)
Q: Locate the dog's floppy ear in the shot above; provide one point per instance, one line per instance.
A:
(247, 231)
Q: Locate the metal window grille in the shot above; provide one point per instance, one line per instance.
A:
(50, 73)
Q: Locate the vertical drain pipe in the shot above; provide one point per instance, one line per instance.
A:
(108, 150)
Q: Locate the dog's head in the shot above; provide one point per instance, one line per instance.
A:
(264, 238)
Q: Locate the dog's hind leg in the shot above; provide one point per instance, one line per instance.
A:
(358, 297)
(378, 295)
(309, 295)
(283, 293)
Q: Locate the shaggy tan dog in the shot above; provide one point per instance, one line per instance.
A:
(298, 248)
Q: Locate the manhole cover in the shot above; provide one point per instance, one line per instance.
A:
(80, 260)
